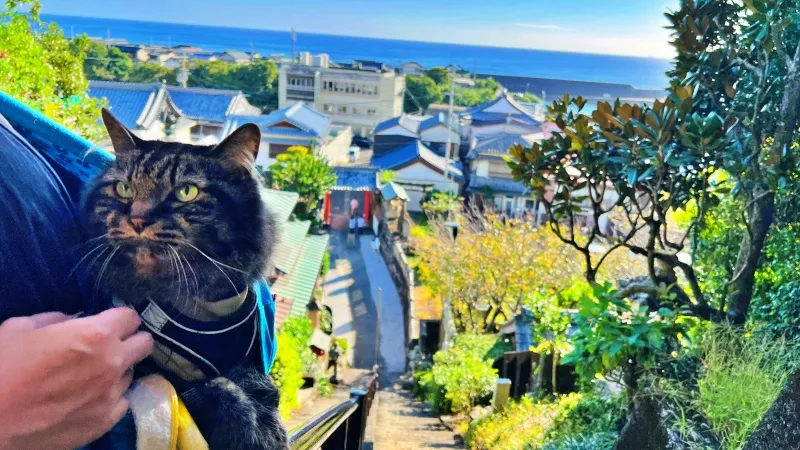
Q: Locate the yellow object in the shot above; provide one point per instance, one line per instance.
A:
(162, 420)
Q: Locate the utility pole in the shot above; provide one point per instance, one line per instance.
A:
(448, 150)
(183, 73)
(294, 45)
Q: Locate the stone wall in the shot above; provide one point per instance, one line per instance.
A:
(403, 277)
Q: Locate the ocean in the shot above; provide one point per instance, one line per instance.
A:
(643, 73)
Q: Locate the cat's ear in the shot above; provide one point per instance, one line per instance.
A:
(241, 146)
(122, 139)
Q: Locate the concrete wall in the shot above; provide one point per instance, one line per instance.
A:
(337, 150)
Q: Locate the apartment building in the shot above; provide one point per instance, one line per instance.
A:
(360, 94)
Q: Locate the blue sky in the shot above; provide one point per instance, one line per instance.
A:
(624, 27)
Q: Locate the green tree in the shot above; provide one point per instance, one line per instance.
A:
(298, 170)
(149, 73)
(106, 63)
(440, 76)
(743, 59)
(387, 176)
(420, 93)
(39, 67)
(257, 80)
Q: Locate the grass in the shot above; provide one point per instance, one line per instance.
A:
(743, 375)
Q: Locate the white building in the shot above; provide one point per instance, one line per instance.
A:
(297, 125)
(360, 94)
(431, 130)
(412, 68)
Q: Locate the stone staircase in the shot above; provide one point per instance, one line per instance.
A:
(400, 422)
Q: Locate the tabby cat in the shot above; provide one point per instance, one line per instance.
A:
(183, 236)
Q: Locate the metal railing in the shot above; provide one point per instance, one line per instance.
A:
(341, 427)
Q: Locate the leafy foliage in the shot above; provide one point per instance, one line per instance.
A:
(294, 359)
(299, 170)
(438, 203)
(496, 268)
(106, 63)
(461, 376)
(387, 176)
(571, 422)
(257, 80)
(618, 333)
(421, 92)
(485, 90)
(39, 67)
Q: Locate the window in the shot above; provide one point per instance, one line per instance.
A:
(371, 112)
(327, 108)
(356, 110)
(342, 109)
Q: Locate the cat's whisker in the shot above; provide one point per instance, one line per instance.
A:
(90, 241)
(187, 243)
(97, 283)
(72, 272)
(194, 275)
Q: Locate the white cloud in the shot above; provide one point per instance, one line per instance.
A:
(537, 26)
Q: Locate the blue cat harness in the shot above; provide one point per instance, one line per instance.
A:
(216, 347)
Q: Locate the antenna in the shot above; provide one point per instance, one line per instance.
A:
(183, 73)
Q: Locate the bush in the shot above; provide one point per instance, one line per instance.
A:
(326, 263)
(571, 422)
(287, 373)
(294, 359)
(743, 374)
(462, 376)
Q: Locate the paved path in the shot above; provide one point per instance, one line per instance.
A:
(400, 422)
(351, 290)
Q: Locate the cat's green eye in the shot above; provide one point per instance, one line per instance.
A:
(187, 192)
(124, 190)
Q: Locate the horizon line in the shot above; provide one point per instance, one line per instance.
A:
(363, 37)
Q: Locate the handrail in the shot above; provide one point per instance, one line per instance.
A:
(338, 428)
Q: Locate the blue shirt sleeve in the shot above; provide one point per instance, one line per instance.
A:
(38, 233)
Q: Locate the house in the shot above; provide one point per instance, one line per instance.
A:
(433, 131)
(296, 262)
(147, 109)
(352, 183)
(490, 176)
(295, 125)
(501, 115)
(419, 169)
(210, 108)
(205, 56)
(234, 56)
(412, 68)
(138, 53)
(360, 94)
(162, 57)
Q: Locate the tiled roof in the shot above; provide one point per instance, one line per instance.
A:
(496, 184)
(499, 143)
(355, 179)
(408, 122)
(298, 285)
(288, 132)
(214, 105)
(280, 203)
(237, 54)
(493, 118)
(392, 190)
(134, 104)
(303, 117)
(414, 151)
(291, 241)
(478, 112)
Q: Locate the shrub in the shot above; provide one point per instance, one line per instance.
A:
(743, 374)
(294, 359)
(570, 422)
(461, 376)
(326, 263)
(287, 373)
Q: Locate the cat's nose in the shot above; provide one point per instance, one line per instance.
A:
(139, 223)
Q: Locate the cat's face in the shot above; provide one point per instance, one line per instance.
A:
(175, 221)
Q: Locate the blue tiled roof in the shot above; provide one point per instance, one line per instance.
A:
(210, 104)
(478, 113)
(392, 190)
(409, 123)
(496, 184)
(355, 179)
(499, 143)
(289, 132)
(129, 102)
(386, 124)
(303, 117)
(414, 151)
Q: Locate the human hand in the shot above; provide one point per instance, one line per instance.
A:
(63, 380)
